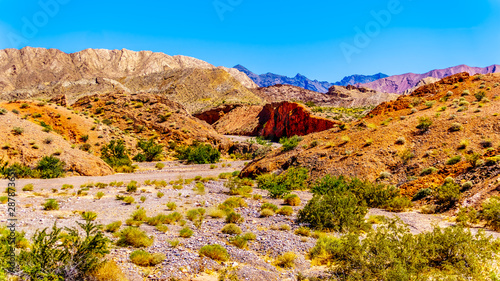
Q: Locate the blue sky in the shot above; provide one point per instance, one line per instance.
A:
(323, 40)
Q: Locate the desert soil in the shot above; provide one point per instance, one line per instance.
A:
(183, 261)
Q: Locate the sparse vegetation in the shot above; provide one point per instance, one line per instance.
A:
(290, 143)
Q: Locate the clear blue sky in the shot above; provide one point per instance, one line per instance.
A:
(315, 38)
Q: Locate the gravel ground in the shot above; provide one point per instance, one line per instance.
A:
(183, 261)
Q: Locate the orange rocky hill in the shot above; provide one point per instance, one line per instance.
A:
(146, 116)
(387, 146)
(26, 142)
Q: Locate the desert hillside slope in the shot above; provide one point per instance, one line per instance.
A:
(463, 113)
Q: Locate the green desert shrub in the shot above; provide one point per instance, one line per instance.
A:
(215, 252)
(151, 151)
(143, 258)
(186, 232)
(287, 260)
(281, 185)
(270, 206)
(233, 217)
(422, 193)
(239, 241)
(424, 124)
(114, 226)
(428, 171)
(99, 195)
(50, 167)
(292, 200)
(290, 143)
(491, 212)
(303, 231)
(216, 213)
(116, 155)
(80, 252)
(391, 252)
(171, 206)
(28, 187)
(267, 213)
(447, 195)
(467, 216)
(132, 236)
(199, 154)
(454, 160)
(51, 204)
(231, 228)
(132, 186)
(285, 211)
(89, 216)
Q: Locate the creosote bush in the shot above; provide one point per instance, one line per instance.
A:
(391, 252)
(290, 143)
(292, 200)
(279, 186)
(143, 258)
(132, 236)
(340, 205)
(199, 154)
(231, 228)
(215, 252)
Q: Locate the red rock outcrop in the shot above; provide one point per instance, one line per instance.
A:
(287, 119)
(275, 120)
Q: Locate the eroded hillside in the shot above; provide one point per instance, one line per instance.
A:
(439, 124)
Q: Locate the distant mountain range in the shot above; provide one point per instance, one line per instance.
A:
(401, 83)
(270, 79)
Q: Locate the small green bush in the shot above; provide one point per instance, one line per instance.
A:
(50, 167)
(132, 186)
(290, 143)
(143, 258)
(454, 160)
(99, 195)
(89, 216)
(132, 236)
(129, 200)
(467, 216)
(424, 124)
(303, 231)
(186, 232)
(171, 206)
(287, 260)
(215, 252)
(199, 154)
(266, 213)
(28, 187)
(233, 217)
(285, 211)
(114, 226)
(239, 241)
(391, 252)
(447, 195)
(231, 228)
(491, 212)
(428, 171)
(51, 204)
(292, 200)
(270, 206)
(422, 193)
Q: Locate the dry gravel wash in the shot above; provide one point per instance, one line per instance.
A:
(183, 262)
